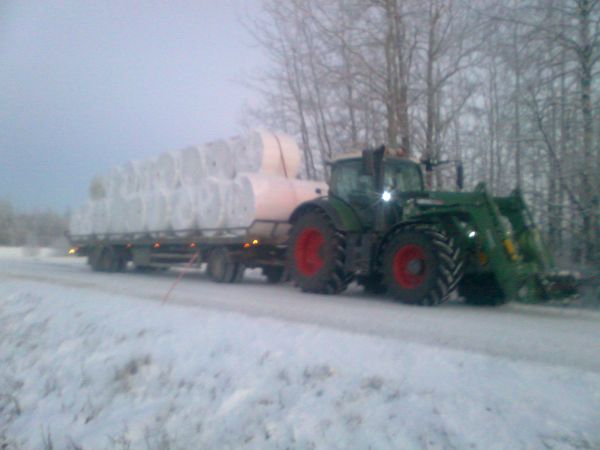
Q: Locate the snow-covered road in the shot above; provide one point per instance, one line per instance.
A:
(562, 337)
(95, 361)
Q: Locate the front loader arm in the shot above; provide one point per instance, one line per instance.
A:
(503, 236)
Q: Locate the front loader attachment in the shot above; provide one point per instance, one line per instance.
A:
(549, 282)
(500, 241)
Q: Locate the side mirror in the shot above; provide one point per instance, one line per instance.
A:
(460, 176)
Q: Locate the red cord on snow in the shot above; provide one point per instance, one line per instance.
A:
(183, 272)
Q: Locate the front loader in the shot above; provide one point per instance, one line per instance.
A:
(380, 227)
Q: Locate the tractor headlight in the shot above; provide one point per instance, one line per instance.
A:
(386, 196)
(472, 234)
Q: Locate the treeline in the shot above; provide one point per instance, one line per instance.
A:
(510, 87)
(30, 229)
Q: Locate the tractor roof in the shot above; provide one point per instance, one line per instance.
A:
(389, 152)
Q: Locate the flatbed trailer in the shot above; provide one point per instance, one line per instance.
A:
(227, 252)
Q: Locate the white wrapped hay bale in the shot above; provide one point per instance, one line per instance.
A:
(211, 204)
(267, 197)
(117, 206)
(183, 209)
(219, 160)
(266, 152)
(157, 211)
(166, 170)
(81, 221)
(100, 217)
(147, 170)
(192, 165)
(85, 225)
(135, 214)
(131, 177)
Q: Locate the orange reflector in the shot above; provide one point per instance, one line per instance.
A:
(246, 245)
(193, 245)
(156, 245)
(510, 249)
(483, 259)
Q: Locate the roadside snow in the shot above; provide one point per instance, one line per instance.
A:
(84, 369)
(29, 252)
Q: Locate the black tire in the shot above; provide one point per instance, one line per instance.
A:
(145, 269)
(481, 290)
(372, 284)
(275, 274)
(110, 260)
(239, 271)
(221, 269)
(420, 265)
(94, 258)
(122, 262)
(316, 254)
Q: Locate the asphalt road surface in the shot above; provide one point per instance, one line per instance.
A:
(548, 335)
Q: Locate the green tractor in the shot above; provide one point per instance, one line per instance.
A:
(380, 227)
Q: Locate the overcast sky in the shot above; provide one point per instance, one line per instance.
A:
(85, 85)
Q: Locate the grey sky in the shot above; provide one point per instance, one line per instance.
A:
(85, 85)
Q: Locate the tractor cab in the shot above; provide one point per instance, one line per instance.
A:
(359, 181)
(367, 184)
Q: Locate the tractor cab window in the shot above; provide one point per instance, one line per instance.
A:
(403, 177)
(350, 183)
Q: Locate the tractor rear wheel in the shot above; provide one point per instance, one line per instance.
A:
(420, 265)
(481, 289)
(316, 254)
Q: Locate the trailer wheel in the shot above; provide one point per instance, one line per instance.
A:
(420, 265)
(145, 269)
(481, 289)
(221, 268)
(111, 260)
(275, 274)
(94, 258)
(316, 255)
(239, 271)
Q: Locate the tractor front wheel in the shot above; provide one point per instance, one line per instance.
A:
(420, 265)
(316, 254)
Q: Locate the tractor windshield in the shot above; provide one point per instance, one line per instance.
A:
(402, 177)
(350, 183)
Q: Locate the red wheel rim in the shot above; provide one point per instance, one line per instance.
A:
(409, 266)
(308, 251)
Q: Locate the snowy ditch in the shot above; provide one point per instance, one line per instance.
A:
(82, 369)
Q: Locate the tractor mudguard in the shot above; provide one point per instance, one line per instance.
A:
(343, 216)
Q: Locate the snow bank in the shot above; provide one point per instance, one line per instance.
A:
(89, 370)
(29, 252)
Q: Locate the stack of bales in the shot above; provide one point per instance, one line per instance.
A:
(222, 187)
